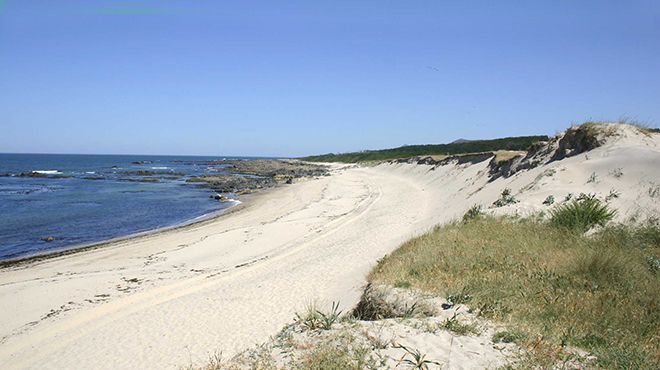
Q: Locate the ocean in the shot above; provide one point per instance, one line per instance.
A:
(51, 202)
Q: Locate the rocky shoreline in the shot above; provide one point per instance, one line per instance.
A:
(227, 176)
(245, 176)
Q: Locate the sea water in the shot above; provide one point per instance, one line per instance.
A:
(64, 201)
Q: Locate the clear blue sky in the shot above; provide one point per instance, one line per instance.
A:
(287, 78)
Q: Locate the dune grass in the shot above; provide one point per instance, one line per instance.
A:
(555, 288)
(581, 214)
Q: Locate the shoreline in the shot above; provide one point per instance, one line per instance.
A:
(244, 201)
(269, 168)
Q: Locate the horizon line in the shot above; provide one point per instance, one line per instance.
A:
(152, 155)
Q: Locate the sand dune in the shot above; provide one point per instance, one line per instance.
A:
(174, 298)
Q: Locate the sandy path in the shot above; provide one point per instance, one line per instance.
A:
(168, 300)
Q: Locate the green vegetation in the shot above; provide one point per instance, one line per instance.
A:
(454, 325)
(549, 200)
(643, 127)
(473, 213)
(476, 146)
(415, 359)
(509, 336)
(339, 351)
(581, 214)
(333, 357)
(505, 199)
(313, 318)
(553, 287)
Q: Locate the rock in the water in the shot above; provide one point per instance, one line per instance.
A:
(32, 174)
(48, 238)
(220, 197)
(43, 175)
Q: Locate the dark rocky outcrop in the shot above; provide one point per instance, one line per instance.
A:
(242, 176)
(140, 180)
(220, 197)
(576, 140)
(233, 183)
(272, 168)
(499, 168)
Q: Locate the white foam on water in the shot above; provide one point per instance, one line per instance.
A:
(47, 172)
(160, 168)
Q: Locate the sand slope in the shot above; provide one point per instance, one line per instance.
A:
(170, 299)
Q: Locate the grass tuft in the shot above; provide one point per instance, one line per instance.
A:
(415, 359)
(313, 319)
(581, 214)
(454, 325)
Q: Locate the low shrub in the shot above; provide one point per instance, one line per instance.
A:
(506, 198)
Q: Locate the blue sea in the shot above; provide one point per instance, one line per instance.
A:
(82, 199)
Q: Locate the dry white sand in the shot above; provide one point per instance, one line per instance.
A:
(174, 298)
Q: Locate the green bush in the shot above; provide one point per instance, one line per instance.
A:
(581, 214)
(505, 199)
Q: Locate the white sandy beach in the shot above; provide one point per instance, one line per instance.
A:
(224, 285)
(174, 298)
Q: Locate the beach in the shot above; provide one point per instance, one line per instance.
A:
(272, 185)
(169, 299)
(177, 297)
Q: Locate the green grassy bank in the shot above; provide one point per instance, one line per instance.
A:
(551, 285)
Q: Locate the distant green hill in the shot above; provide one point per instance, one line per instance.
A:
(457, 147)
